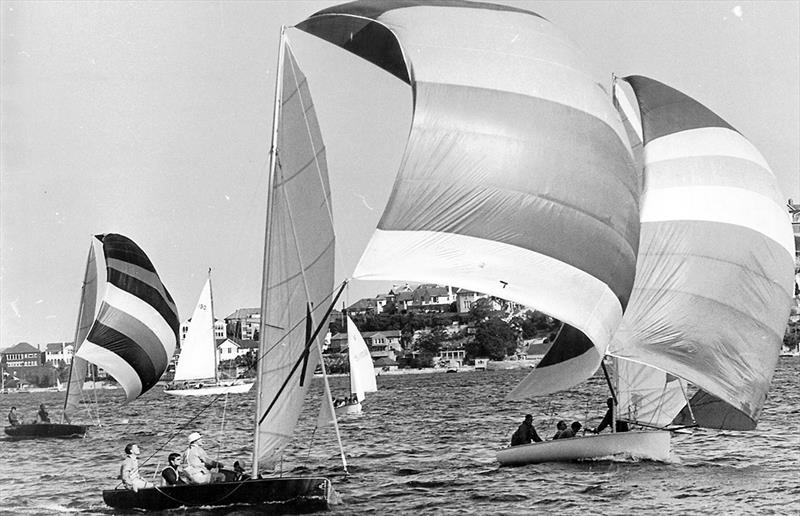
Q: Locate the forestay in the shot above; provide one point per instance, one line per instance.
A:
(716, 259)
(517, 178)
(135, 322)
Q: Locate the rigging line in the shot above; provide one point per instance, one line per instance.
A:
(302, 356)
(183, 427)
(327, 399)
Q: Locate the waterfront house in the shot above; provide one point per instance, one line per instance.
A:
(244, 323)
(21, 355)
(56, 352)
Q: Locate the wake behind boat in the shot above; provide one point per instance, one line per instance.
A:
(197, 372)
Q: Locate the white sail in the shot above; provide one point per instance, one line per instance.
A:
(198, 352)
(362, 371)
(92, 285)
(648, 396)
(298, 266)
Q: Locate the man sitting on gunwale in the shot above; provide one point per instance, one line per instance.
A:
(525, 433)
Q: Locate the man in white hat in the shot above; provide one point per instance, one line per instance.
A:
(196, 463)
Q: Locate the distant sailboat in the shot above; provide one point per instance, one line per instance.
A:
(197, 366)
(362, 371)
(127, 324)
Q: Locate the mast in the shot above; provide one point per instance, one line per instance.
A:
(213, 324)
(273, 160)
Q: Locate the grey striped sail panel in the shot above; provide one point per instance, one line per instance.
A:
(134, 321)
(517, 178)
(715, 264)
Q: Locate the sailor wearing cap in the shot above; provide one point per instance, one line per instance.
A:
(196, 463)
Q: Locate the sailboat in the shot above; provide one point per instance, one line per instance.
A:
(127, 324)
(520, 179)
(297, 299)
(197, 372)
(713, 284)
(362, 371)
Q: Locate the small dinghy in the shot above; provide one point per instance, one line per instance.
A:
(39, 430)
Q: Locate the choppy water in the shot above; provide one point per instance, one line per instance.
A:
(426, 445)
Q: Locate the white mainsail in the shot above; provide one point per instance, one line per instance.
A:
(297, 290)
(95, 268)
(362, 371)
(198, 359)
(647, 396)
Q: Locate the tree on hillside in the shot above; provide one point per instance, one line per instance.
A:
(481, 309)
(494, 338)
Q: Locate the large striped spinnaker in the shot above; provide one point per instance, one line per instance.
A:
(714, 274)
(517, 178)
(135, 325)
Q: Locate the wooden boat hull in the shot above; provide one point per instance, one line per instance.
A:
(348, 409)
(285, 495)
(643, 445)
(236, 388)
(45, 430)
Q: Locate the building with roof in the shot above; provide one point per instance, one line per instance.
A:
(56, 352)
(244, 323)
(21, 355)
(219, 329)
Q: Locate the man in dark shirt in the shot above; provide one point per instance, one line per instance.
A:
(13, 418)
(622, 426)
(170, 475)
(43, 416)
(525, 433)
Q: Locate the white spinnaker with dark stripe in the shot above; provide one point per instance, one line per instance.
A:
(714, 277)
(517, 180)
(298, 266)
(135, 329)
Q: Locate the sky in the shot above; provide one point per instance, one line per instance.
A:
(153, 120)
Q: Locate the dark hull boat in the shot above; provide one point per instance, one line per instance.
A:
(288, 495)
(42, 430)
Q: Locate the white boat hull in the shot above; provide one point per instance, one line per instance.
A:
(236, 388)
(348, 409)
(642, 445)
